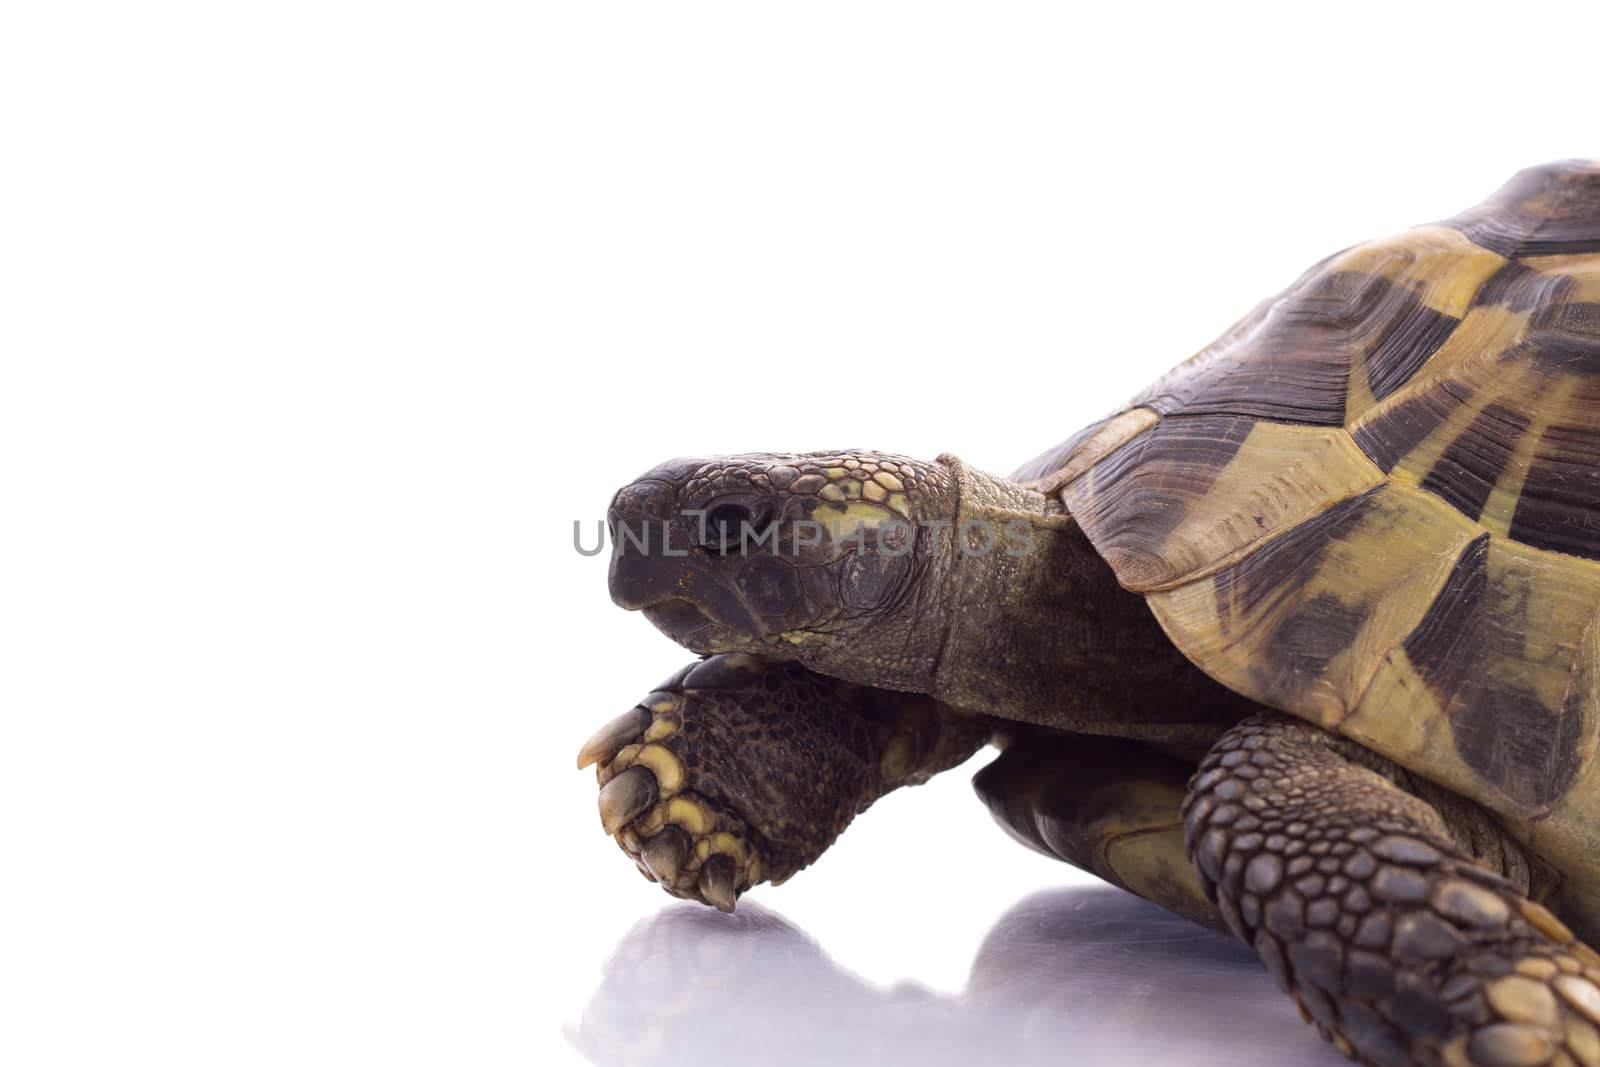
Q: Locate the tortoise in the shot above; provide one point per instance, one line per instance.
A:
(1301, 643)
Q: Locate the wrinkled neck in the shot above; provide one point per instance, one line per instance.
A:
(1009, 585)
(1039, 630)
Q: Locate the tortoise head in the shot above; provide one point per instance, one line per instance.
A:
(783, 555)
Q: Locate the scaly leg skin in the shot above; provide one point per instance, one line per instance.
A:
(1398, 946)
(740, 769)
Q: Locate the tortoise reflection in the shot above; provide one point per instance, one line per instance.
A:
(1090, 976)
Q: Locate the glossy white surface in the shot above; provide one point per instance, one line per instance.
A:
(1085, 976)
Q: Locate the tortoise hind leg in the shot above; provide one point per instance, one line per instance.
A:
(1401, 948)
(1106, 805)
(741, 769)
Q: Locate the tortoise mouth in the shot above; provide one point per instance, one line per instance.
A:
(677, 618)
(686, 623)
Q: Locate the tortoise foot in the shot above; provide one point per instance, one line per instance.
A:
(742, 769)
(691, 843)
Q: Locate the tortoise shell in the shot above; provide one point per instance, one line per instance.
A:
(1375, 503)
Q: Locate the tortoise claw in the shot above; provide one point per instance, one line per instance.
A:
(717, 883)
(625, 797)
(664, 854)
(611, 738)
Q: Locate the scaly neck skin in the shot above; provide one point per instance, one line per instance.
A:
(1047, 636)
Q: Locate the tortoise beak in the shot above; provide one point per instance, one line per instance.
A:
(647, 549)
(678, 619)
(656, 570)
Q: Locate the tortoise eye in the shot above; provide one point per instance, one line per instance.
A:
(725, 524)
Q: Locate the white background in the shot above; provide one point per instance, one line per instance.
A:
(322, 322)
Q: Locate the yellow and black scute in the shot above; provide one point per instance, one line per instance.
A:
(1375, 504)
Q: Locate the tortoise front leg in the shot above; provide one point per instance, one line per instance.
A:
(1401, 948)
(740, 769)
